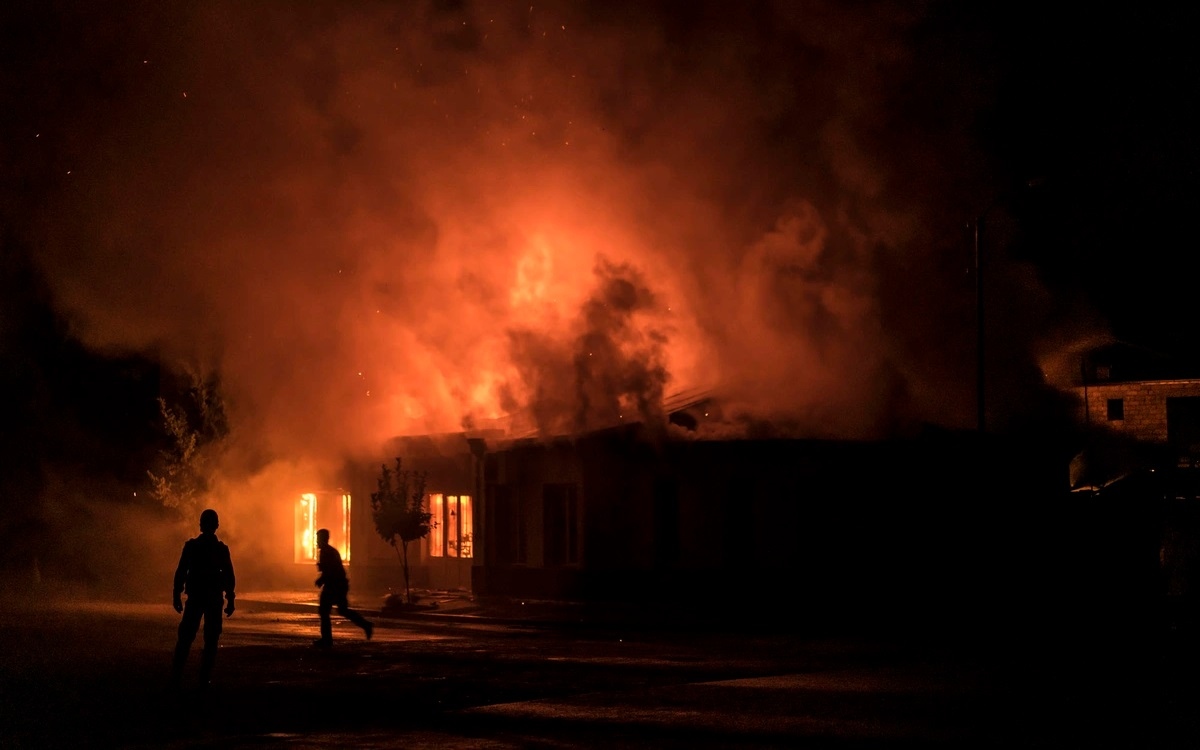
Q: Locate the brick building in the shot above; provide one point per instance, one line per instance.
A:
(1156, 411)
(1140, 410)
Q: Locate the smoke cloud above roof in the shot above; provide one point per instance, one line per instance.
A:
(379, 219)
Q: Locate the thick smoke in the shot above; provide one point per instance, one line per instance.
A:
(377, 219)
(608, 367)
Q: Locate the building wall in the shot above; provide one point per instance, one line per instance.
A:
(450, 468)
(822, 522)
(829, 523)
(1145, 406)
(523, 470)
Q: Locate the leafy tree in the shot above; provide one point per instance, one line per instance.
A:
(400, 513)
(180, 478)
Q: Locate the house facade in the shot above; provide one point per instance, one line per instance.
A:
(621, 514)
(1165, 412)
(631, 514)
(1138, 410)
(452, 466)
(635, 513)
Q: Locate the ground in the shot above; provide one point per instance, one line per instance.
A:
(95, 674)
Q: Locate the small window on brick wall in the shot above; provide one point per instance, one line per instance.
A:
(1116, 409)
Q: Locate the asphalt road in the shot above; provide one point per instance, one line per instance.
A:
(96, 675)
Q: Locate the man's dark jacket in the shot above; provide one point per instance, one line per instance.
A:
(333, 574)
(205, 569)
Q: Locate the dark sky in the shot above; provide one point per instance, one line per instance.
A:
(376, 218)
(1104, 106)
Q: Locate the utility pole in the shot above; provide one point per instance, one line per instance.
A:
(981, 413)
(980, 327)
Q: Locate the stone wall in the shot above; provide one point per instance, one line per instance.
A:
(1145, 406)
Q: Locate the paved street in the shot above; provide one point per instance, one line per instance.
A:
(95, 675)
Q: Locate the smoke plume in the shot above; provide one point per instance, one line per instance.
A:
(379, 219)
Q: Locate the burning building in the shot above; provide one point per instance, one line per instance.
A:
(650, 514)
(419, 219)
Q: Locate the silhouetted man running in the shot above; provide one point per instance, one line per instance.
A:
(335, 589)
(205, 574)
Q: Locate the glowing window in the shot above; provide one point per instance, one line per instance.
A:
(437, 536)
(322, 510)
(452, 528)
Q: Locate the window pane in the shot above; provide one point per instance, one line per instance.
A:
(322, 510)
(466, 526)
(452, 526)
(346, 529)
(1116, 409)
(560, 517)
(306, 544)
(554, 547)
(522, 531)
(437, 525)
(502, 523)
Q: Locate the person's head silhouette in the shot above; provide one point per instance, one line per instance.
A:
(322, 537)
(209, 521)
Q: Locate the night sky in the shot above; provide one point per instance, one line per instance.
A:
(370, 219)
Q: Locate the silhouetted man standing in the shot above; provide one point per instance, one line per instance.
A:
(335, 589)
(205, 573)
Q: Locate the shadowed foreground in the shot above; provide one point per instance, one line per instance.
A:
(97, 675)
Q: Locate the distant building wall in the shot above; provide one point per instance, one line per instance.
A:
(1142, 411)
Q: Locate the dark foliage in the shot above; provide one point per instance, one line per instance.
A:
(400, 512)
